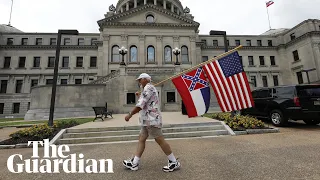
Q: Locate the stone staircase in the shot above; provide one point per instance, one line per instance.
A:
(131, 133)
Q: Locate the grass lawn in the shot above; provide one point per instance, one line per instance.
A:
(8, 123)
(10, 119)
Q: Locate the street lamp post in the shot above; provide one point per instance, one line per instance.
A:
(123, 51)
(176, 51)
(55, 75)
(307, 71)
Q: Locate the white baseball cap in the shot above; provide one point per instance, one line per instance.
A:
(144, 75)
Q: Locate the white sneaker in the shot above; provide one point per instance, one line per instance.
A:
(129, 164)
(171, 166)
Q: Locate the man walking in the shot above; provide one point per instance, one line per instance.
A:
(151, 123)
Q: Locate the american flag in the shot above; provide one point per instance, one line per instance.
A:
(230, 83)
(269, 3)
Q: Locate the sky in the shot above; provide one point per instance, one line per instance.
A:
(237, 17)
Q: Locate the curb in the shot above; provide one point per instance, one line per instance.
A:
(231, 132)
(257, 131)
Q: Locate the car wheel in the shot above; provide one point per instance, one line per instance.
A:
(312, 122)
(278, 118)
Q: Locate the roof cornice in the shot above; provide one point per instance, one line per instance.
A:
(47, 47)
(103, 22)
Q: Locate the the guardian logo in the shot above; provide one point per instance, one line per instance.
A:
(50, 163)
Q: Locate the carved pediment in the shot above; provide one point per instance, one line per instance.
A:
(137, 17)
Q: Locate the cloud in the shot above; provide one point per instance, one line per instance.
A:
(233, 16)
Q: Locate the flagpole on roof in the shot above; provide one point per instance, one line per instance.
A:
(199, 65)
(269, 3)
(268, 19)
(10, 13)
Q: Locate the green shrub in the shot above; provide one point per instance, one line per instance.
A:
(238, 122)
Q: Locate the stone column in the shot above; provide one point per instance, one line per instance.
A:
(176, 43)
(142, 50)
(145, 1)
(193, 51)
(135, 3)
(105, 53)
(155, 2)
(160, 51)
(127, 6)
(124, 39)
(172, 8)
(121, 10)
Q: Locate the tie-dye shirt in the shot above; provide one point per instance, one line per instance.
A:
(150, 114)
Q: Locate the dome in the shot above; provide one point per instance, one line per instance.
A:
(172, 5)
(8, 29)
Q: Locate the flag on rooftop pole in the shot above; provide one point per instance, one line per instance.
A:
(269, 3)
(230, 83)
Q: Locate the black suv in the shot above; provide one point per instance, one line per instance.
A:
(281, 103)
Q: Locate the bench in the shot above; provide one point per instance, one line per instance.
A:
(100, 112)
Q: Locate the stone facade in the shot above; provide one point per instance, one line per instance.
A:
(149, 29)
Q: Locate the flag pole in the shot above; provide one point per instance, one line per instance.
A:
(199, 65)
(10, 13)
(268, 18)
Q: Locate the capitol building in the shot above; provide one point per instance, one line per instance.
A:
(91, 72)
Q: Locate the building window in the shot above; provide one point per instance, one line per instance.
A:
(1, 108)
(38, 41)
(28, 106)
(272, 61)
(92, 40)
(237, 42)
(265, 81)
(167, 54)
(253, 80)
(49, 81)
(150, 19)
(131, 98)
(115, 57)
(241, 61)
(171, 97)
(275, 81)
(262, 62)
(184, 54)
(4, 84)
(79, 62)
(215, 43)
(251, 61)
(22, 62)
(34, 82)
(78, 81)
(296, 55)
(270, 43)
(150, 54)
(248, 42)
(64, 81)
(292, 36)
(53, 41)
(228, 43)
(7, 62)
(66, 41)
(10, 41)
(36, 62)
(51, 62)
(133, 54)
(204, 41)
(16, 108)
(205, 58)
(24, 41)
(65, 62)
(300, 77)
(81, 41)
(259, 42)
(19, 86)
(93, 61)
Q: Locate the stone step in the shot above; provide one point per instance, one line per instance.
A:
(74, 130)
(135, 132)
(135, 137)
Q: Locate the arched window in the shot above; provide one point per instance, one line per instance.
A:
(133, 54)
(184, 54)
(150, 54)
(167, 54)
(150, 19)
(115, 55)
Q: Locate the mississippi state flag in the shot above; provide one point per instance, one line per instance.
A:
(194, 90)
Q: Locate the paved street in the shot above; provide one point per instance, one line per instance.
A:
(291, 154)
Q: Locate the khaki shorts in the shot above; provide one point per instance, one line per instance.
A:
(153, 131)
